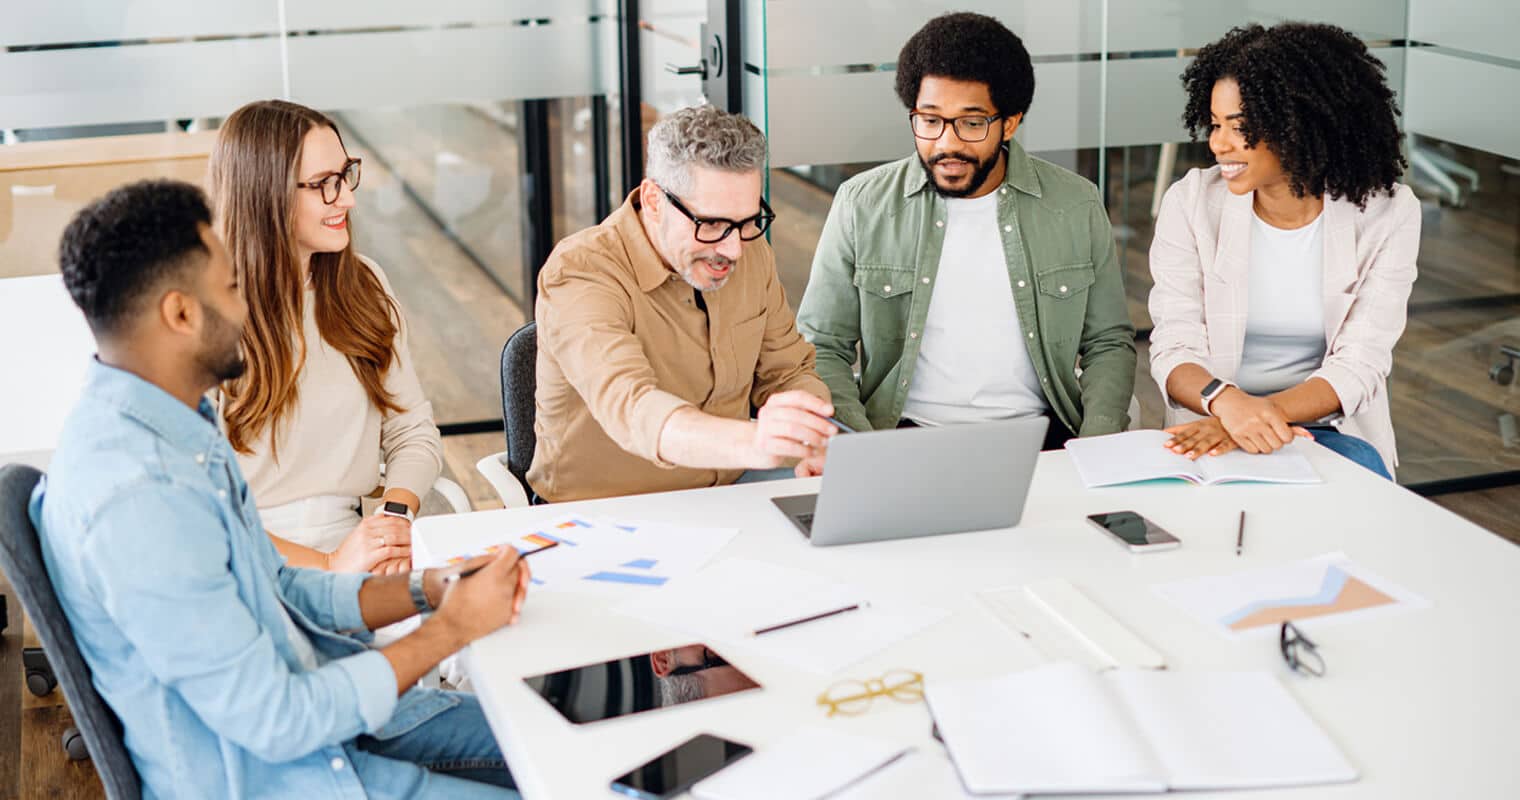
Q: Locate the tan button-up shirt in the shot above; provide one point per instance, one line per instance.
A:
(622, 344)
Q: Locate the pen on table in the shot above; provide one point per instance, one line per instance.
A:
(472, 570)
(780, 625)
(1240, 533)
(843, 428)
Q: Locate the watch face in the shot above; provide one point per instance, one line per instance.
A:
(393, 507)
(1212, 387)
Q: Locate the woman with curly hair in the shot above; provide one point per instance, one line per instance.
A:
(1282, 273)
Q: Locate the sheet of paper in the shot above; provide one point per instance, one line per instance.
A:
(917, 774)
(815, 762)
(1288, 465)
(1126, 458)
(1255, 602)
(728, 601)
(606, 556)
(1228, 730)
(1051, 729)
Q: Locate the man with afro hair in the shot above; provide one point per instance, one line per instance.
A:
(977, 282)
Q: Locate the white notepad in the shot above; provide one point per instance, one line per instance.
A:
(1141, 456)
(1061, 729)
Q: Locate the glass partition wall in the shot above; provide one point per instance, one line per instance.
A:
(491, 128)
(1108, 104)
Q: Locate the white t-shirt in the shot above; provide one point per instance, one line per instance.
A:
(1285, 313)
(973, 365)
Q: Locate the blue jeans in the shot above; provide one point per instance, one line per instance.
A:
(758, 475)
(452, 755)
(1356, 449)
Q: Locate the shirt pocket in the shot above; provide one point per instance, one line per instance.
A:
(1062, 299)
(886, 298)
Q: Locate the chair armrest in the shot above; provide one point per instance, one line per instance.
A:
(494, 469)
(453, 494)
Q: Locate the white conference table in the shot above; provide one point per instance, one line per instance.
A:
(45, 350)
(1426, 703)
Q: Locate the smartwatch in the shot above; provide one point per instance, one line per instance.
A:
(393, 508)
(1211, 391)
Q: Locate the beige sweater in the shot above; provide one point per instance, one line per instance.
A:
(333, 441)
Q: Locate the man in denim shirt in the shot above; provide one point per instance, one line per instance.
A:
(974, 279)
(233, 674)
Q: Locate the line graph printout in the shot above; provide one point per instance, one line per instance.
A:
(1256, 602)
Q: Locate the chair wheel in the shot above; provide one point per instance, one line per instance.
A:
(74, 746)
(40, 683)
(1502, 373)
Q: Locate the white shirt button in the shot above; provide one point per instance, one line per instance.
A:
(913, 335)
(926, 280)
(1044, 380)
(337, 764)
(222, 493)
(1007, 229)
(1031, 334)
(904, 383)
(1021, 284)
(887, 288)
(939, 223)
(200, 458)
(1005, 190)
(1063, 290)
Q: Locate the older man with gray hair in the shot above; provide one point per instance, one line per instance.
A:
(660, 329)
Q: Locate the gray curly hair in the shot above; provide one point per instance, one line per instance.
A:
(705, 136)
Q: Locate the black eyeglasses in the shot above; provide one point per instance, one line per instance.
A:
(716, 229)
(1301, 654)
(331, 184)
(972, 128)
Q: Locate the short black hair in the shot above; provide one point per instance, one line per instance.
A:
(1318, 99)
(968, 47)
(128, 242)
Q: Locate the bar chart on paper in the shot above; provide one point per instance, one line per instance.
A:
(597, 555)
(1257, 601)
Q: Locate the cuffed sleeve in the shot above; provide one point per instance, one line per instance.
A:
(329, 599)
(829, 315)
(586, 323)
(374, 685)
(1179, 335)
(158, 560)
(1361, 355)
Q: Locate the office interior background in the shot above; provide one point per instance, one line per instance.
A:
(489, 129)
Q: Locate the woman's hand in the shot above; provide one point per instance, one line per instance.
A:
(1202, 437)
(381, 544)
(1256, 424)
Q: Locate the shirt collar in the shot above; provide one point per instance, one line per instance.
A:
(648, 267)
(1020, 173)
(193, 430)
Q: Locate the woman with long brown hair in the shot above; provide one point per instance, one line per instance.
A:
(330, 393)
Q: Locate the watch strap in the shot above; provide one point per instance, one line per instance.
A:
(419, 596)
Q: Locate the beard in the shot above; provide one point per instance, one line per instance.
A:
(222, 353)
(693, 272)
(978, 175)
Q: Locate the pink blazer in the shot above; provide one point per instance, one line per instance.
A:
(1199, 260)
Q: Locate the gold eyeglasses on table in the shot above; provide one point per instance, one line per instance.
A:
(854, 697)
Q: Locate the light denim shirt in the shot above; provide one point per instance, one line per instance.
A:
(183, 609)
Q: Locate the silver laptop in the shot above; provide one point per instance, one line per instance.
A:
(909, 482)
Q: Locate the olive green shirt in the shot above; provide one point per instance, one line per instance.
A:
(875, 269)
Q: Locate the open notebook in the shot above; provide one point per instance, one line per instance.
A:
(1062, 729)
(1141, 456)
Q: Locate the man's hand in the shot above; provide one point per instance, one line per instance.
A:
(488, 600)
(375, 540)
(791, 426)
(1255, 423)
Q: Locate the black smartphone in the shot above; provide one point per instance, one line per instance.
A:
(1137, 533)
(675, 770)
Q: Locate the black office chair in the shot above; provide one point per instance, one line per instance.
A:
(21, 561)
(508, 471)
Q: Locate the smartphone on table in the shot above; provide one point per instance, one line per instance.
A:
(1133, 531)
(677, 769)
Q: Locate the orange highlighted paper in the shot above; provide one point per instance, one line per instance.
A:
(1254, 602)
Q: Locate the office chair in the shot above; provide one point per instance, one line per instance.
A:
(21, 560)
(508, 470)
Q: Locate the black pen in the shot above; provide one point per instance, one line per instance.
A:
(1240, 533)
(780, 625)
(472, 570)
(843, 428)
